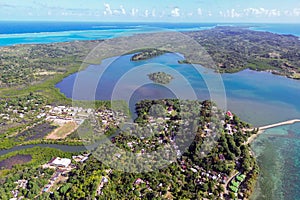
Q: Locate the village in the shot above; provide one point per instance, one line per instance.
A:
(164, 130)
(61, 167)
(60, 120)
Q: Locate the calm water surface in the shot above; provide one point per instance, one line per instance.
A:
(259, 98)
(277, 152)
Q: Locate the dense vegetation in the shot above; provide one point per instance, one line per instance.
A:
(236, 48)
(147, 54)
(28, 64)
(32, 171)
(189, 176)
(160, 77)
(186, 176)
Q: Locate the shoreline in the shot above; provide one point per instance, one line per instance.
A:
(263, 128)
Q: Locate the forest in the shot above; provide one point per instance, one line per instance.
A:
(160, 77)
(236, 48)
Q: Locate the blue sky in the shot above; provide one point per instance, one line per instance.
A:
(155, 10)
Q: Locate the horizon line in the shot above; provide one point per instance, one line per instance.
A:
(157, 22)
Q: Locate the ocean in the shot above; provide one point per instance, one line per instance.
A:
(12, 33)
(257, 97)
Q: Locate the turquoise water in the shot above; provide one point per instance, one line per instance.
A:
(13, 32)
(293, 29)
(277, 152)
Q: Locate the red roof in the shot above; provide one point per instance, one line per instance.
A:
(229, 113)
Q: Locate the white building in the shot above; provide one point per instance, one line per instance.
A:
(60, 162)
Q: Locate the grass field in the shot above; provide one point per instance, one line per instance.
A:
(63, 131)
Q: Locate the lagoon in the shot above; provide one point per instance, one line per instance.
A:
(259, 98)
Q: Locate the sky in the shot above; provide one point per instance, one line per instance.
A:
(287, 11)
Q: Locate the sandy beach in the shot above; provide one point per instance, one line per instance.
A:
(263, 128)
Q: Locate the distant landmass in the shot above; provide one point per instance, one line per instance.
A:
(237, 48)
(147, 54)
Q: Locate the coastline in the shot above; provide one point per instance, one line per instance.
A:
(263, 128)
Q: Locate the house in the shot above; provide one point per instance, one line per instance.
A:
(104, 180)
(138, 181)
(229, 129)
(80, 158)
(229, 114)
(193, 170)
(60, 162)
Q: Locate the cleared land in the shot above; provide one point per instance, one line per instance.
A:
(63, 131)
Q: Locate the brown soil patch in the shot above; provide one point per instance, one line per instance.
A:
(14, 160)
(62, 131)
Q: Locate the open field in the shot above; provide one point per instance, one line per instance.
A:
(63, 131)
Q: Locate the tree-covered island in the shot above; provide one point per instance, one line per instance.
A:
(160, 77)
(147, 54)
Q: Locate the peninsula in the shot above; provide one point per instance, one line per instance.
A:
(147, 54)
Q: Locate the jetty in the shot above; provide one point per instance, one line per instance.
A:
(279, 124)
(263, 128)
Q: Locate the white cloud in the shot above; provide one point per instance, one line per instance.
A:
(199, 11)
(146, 13)
(175, 12)
(107, 11)
(261, 12)
(123, 11)
(134, 12)
(234, 14)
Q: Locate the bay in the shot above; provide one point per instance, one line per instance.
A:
(259, 98)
